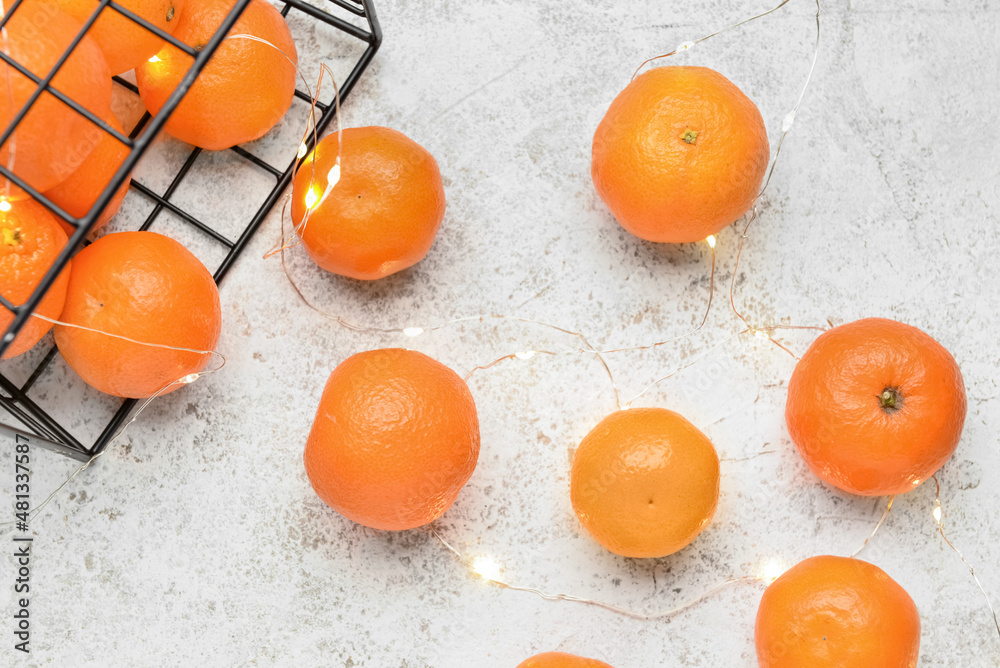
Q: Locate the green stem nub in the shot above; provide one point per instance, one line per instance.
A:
(889, 399)
(689, 136)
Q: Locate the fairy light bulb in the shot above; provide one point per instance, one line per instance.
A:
(333, 177)
(772, 571)
(4, 205)
(937, 512)
(525, 355)
(190, 378)
(413, 331)
(760, 334)
(312, 198)
(711, 241)
(684, 46)
(789, 119)
(487, 568)
(303, 149)
(154, 59)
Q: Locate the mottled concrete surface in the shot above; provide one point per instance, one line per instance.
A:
(197, 539)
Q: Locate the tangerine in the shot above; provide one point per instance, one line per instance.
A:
(79, 192)
(52, 140)
(149, 288)
(244, 90)
(836, 612)
(396, 437)
(679, 155)
(383, 211)
(645, 482)
(124, 42)
(30, 241)
(876, 407)
(561, 660)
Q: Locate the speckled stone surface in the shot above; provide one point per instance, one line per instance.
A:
(197, 540)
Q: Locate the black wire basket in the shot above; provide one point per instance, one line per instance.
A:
(354, 18)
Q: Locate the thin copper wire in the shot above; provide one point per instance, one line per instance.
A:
(641, 616)
(687, 45)
(878, 525)
(786, 127)
(704, 319)
(939, 518)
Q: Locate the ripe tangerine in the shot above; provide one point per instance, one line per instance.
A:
(395, 438)
(876, 407)
(645, 482)
(679, 155)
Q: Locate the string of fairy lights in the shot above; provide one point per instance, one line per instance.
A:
(484, 567)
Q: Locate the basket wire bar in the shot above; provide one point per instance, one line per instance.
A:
(48, 432)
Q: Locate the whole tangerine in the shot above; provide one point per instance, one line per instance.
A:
(244, 90)
(395, 438)
(645, 482)
(679, 155)
(146, 287)
(382, 211)
(876, 406)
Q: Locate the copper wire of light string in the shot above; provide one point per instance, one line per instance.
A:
(641, 616)
(878, 525)
(938, 517)
(786, 126)
(684, 46)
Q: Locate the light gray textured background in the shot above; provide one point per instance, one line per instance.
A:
(197, 539)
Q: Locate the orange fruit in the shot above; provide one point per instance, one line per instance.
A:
(395, 439)
(680, 154)
(78, 193)
(561, 660)
(149, 288)
(52, 140)
(382, 214)
(30, 240)
(645, 482)
(244, 90)
(124, 42)
(875, 406)
(836, 612)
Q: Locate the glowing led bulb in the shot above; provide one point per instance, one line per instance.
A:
(312, 198)
(772, 570)
(333, 177)
(760, 334)
(303, 149)
(486, 568)
(154, 59)
(684, 46)
(711, 241)
(525, 355)
(190, 378)
(937, 513)
(4, 205)
(786, 124)
(413, 331)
